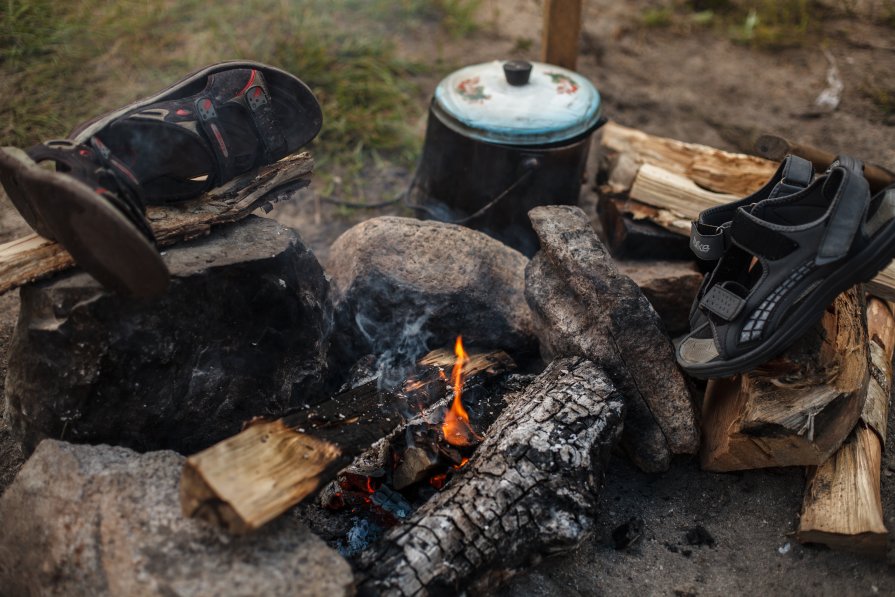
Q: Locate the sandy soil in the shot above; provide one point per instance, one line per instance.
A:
(696, 86)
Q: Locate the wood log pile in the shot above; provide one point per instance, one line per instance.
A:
(823, 403)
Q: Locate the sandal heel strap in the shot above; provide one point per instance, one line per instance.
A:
(795, 175)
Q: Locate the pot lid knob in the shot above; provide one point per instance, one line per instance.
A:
(517, 72)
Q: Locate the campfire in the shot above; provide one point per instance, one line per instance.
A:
(420, 459)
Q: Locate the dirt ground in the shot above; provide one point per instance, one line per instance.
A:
(695, 85)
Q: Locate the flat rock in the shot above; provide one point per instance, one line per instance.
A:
(241, 332)
(670, 287)
(402, 285)
(615, 325)
(101, 520)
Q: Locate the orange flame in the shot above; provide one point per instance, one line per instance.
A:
(456, 428)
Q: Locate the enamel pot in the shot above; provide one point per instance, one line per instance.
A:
(502, 138)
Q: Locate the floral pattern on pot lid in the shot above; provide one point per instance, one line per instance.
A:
(555, 105)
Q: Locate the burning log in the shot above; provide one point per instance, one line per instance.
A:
(842, 507)
(33, 258)
(531, 488)
(587, 308)
(247, 480)
(797, 409)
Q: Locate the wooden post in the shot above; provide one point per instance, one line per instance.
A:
(842, 507)
(562, 28)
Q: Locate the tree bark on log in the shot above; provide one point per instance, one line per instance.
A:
(530, 488)
(251, 478)
(842, 508)
(797, 409)
(33, 258)
(588, 308)
(710, 168)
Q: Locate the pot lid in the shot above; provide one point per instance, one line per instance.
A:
(521, 103)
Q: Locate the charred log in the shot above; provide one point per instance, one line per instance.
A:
(531, 488)
(247, 480)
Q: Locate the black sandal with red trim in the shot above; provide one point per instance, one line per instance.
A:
(91, 205)
(208, 128)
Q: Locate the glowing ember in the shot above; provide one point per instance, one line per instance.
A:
(438, 481)
(463, 462)
(456, 428)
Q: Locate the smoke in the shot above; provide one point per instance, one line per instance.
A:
(398, 344)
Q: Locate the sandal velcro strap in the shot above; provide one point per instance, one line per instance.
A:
(708, 242)
(217, 140)
(750, 234)
(723, 303)
(846, 216)
(269, 130)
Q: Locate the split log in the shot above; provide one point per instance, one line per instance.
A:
(587, 308)
(710, 168)
(843, 507)
(673, 181)
(249, 479)
(797, 409)
(531, 488)
(33, 257)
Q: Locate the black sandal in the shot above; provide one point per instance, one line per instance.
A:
(91, 205)
(789, 258)
(710, 233)
(208, 128)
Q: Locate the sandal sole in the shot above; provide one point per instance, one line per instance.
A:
(99, 237)
(84, 131)
(878, 254)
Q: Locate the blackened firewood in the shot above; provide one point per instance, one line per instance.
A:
(530, 489)
(249, 479)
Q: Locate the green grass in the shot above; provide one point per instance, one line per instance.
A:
(762, 24)
(64, 62)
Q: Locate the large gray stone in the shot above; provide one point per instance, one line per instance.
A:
(585, 307)
(401, 285)
(241, 332)
(101, 520)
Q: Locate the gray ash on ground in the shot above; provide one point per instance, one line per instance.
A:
(699, 536)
